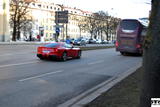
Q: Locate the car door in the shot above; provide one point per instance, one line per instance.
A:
(69, 50)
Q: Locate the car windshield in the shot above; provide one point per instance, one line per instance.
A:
(52, 45)
(129, 24)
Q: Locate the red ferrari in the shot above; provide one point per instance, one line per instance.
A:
(58, 50)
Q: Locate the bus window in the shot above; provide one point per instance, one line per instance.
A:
(129, 26)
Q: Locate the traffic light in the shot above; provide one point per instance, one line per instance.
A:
(41, 31)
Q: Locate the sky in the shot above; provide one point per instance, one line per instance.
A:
(118, 8)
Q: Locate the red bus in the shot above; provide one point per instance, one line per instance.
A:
(130, 34)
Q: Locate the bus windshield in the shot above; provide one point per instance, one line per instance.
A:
(129, 25)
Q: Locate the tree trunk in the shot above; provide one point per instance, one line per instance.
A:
(14, 32)
(101, 35)
(91, 34)
(151, 58)
(18, 34)
(80, 32)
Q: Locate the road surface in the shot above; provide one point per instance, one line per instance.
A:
(26, 81)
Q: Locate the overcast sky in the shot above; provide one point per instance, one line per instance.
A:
(118, 8)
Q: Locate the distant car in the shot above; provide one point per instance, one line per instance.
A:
(80, 42)
(92, 41)
(104, 42)
(58, 50)
(109, 42)
(98, 41)
(86, 40)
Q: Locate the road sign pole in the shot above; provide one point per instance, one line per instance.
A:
(66, 30)
(63, 31)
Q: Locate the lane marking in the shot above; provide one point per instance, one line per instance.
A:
(96, 62)
(39, 76)
(25, 63)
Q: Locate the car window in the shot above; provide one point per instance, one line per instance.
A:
(51, 45)
(68, 46)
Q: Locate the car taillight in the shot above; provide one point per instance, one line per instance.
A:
(117, 44)
(39, 49)
(55, 50)
(138, 46)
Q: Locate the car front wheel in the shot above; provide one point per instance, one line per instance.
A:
(64, 56)
(79, 54)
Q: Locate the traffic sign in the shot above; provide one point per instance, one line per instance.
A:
(61, 17)
(60, 26)
(57, 29)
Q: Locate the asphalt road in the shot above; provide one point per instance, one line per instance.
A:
(26, 81)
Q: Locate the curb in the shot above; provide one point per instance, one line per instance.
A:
(91, 94)
(22, 43)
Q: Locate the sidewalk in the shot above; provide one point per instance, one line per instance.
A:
(124, 94)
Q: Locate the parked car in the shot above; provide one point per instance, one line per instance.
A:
(72, 40)
(86, 40)
(80, 42)
(109, 42)
(98, 41)
(104, 42)
(58, 50)
(92, 41)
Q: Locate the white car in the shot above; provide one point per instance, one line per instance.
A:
(98, 41)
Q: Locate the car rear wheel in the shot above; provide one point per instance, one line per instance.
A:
(40, 57)
(79, 55)
(64, 56)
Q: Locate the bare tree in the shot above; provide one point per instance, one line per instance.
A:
(19, 15)
(106, 24)
(99, 20)
(151, 58)
(81, 22)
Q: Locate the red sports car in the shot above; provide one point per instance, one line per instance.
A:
(58, 50)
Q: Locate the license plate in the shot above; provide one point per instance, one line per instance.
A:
(127, 42)
(45, 51)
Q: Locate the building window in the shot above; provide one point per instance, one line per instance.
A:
(55, 8)
(33, 4)
(51, 7)
(46, 27)
(37, 28)
(39, 5)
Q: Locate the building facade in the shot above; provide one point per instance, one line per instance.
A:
(42, 14)
(4, 21)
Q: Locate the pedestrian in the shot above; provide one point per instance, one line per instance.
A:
(38, 37)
